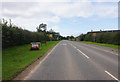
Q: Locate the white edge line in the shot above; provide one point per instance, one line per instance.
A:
(112, 76)
(83, 53)
(40, 62)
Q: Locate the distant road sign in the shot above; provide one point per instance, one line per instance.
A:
(51, 35)
(94, 34)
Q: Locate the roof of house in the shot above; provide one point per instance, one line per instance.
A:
(103, 31)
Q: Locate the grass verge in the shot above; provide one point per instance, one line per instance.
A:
(102, 44)
(15, 59)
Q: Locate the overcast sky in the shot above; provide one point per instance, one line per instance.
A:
(68, 17)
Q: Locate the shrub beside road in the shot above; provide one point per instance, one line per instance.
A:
(15, 59)
(106, 38)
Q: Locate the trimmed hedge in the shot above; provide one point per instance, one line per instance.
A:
(12, 36)
(108, 37)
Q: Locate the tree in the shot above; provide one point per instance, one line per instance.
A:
(42, 27)
(68, 37)
(51, 31)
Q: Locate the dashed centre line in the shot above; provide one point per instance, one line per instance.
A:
(74, 46)
(112, 76)
(83, 53)
(105, 70)
(80, 51)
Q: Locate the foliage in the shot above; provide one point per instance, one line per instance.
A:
(108, 37)
(82, 36)
(13, 35)
(42, 28)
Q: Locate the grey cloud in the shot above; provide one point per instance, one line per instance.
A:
(18, 5)
(24, 9)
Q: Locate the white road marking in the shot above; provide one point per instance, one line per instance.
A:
(83, 53)
(41, 62)
(112, 76)
(74, 46)
(80, 51)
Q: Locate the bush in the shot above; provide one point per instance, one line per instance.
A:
(108, 37)
(12, 36)
(89, 37)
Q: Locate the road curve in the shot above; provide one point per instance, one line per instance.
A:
(76, 61)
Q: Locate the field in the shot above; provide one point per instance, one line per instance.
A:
(102, 44)
(15, 59)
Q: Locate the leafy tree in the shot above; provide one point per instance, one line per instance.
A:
(42, 27)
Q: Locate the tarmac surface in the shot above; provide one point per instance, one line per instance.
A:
(71, 60)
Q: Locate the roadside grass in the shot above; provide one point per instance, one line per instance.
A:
(15, 59)
(102, 44)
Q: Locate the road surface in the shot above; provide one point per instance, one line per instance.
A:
(76, 61)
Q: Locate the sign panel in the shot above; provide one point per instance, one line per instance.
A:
(94, 34)
(51, 35)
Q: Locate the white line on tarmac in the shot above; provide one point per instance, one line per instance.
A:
(74, 46)
(80, 51)
(83, 53)
(112, 76)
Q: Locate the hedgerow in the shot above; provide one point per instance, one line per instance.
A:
(13, 35)
(108, 37)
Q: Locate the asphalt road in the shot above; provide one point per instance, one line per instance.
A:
(76, 61)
